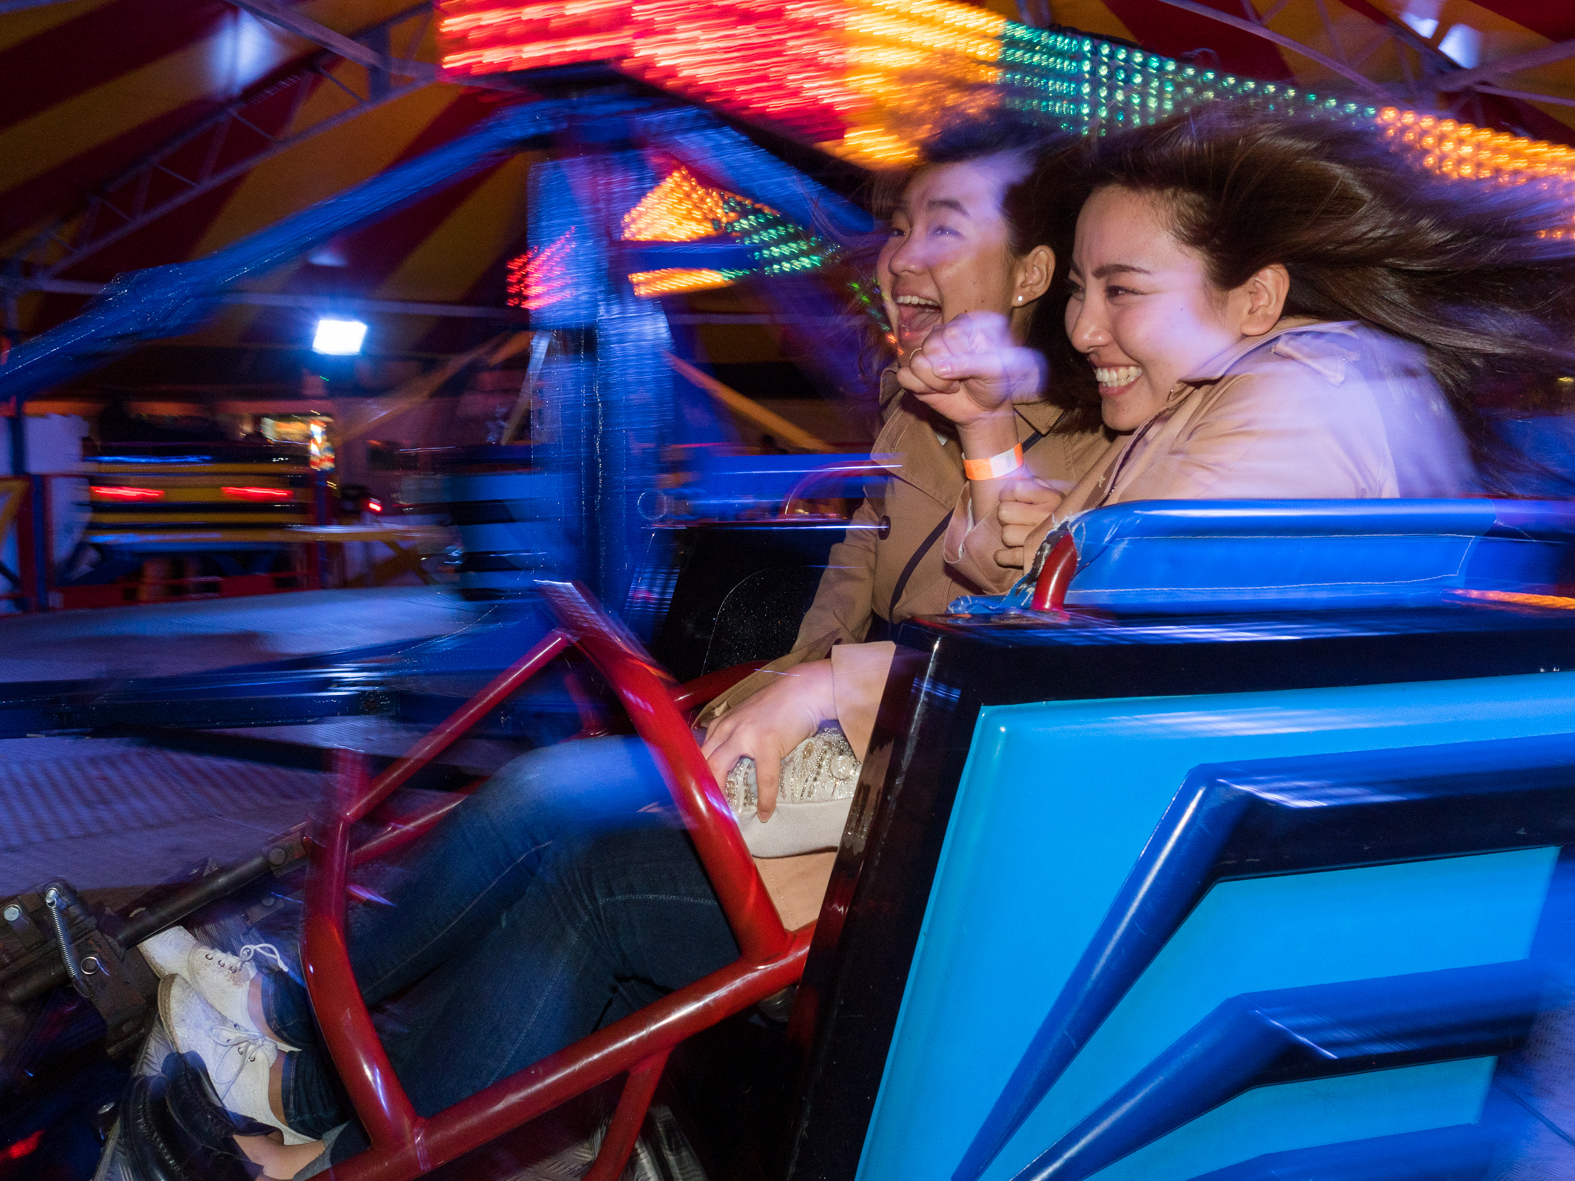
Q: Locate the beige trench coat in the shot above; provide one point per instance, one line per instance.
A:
(919, 503)
(1311, 410)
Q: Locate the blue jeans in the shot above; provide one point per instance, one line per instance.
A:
(560, 897)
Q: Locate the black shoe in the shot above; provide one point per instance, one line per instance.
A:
(175, 1129)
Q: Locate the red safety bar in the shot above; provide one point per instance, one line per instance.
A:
(703, 689)
(405, 1145)
(1055, 575)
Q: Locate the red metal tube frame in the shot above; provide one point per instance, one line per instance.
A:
(696, 693)
(646, 693)
(452, 728)
(624, 1129)
(405, 1145)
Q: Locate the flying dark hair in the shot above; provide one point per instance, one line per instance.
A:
(1481, 275)
(1040, 210)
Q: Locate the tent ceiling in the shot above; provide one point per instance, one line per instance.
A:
(200, 121)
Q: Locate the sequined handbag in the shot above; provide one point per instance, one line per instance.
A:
(814, 793)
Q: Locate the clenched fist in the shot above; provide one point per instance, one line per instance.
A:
(970, 367)
(1024, 506)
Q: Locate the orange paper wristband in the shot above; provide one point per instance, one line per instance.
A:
(996, 466)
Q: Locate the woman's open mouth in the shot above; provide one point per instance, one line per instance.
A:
(1116, 379)
(917, 317)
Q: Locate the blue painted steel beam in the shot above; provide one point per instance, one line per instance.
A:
(168, 300)
(1293, 1034)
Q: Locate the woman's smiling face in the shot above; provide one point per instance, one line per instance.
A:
(1142, 309)
(950, 251)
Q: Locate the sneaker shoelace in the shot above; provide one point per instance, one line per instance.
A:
(235, 964)
(248, 1047)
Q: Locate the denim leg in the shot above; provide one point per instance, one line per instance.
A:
(313, 1099)
(455, 888)
(607, 909)
(478, 862)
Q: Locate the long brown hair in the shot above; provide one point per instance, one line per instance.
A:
(1040, 209)
(1481, 275)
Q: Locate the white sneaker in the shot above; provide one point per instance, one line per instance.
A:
(166, 952)
(238, 1060)
(225, 981)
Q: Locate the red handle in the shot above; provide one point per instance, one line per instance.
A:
(1055, 575)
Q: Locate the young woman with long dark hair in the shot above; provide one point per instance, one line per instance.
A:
(1287, 308)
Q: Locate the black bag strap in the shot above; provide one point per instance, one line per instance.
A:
(925, 547)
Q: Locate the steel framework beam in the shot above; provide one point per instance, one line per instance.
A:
(1440, 75)
(346, 47)
(1258, 29)
(127, 203)
(1546, 56)
(166, 301)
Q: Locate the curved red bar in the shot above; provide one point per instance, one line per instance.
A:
(647, 694)
(1056, 575)
(346, 1026)
(453, 727)
(700, 691)
(405, 1145)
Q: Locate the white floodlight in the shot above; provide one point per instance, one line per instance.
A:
(339, 338)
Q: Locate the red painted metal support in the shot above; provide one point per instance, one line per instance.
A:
(624, 1130)
(646, 692)
(696, 693)
(398, 833)
(588, 1063)
(380, 1102)
(452, 728)
(405, 1145)
(1056, 575)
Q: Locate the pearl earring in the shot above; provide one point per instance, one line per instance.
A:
(1019, 299)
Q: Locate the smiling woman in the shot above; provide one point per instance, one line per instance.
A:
(981, 398)
(1281, 309)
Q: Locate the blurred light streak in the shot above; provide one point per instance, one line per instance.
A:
(864, 79)
(23, 1147)
(1519, 599)
(259, 494)
(680, 209)
(541, 277)
(103, 492)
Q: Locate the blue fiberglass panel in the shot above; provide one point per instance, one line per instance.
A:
(1282, 932)
(1054, 805)
(1319, 1111)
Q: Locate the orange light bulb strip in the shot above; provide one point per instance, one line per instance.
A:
(680, 209)
(676, 280)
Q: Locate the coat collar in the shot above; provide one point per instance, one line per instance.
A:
(1218, 366)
